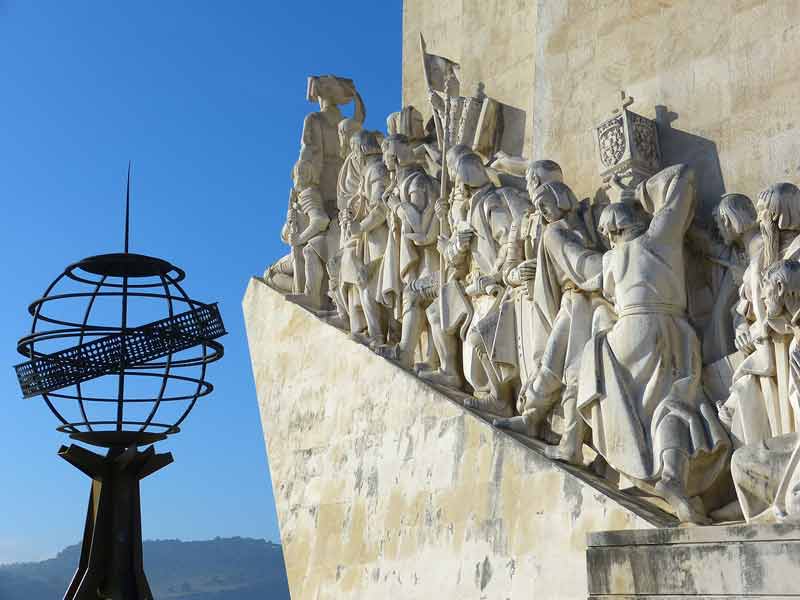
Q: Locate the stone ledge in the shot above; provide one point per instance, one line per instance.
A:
(743, 561)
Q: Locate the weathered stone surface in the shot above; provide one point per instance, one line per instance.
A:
(723, 71)
(705, 562)
(387, 488)
(493, 40)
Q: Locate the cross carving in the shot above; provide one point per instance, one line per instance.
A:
(625, 102)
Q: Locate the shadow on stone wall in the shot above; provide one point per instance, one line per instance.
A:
(682, 147)
(513, 139)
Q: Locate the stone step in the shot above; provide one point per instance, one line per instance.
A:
(737, 561)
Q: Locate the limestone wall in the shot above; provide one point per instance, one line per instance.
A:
(493, 40)
(385, 488)
(724, 72)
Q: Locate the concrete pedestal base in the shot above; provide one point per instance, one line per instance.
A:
(745, 561)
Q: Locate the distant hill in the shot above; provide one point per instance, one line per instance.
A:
(219, 569)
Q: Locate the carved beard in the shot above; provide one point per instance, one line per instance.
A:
(772, 242)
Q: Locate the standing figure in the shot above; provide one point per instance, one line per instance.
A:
(766, 473)
(725, 330)
(566, 292)
(639, 387)
(411, 261)
(468, 308)
(365, 246)
(347, 188)
(520, 258)
(759, 405)
(320, 137)
(349, 181)
(319, 239)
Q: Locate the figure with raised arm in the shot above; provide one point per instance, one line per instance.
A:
(639, 383)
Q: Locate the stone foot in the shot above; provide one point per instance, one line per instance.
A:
(395, 353)
(439, 377)
(685, 509)
(518, 424)
(488, 403)
(730, 512)
(565, 454)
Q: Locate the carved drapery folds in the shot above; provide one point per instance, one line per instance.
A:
(584, 325)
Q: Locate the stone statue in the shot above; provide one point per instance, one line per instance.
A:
(411, 261)
(758, 406)
(347, 187)
(320, 138)
(349, 180)
(639, 384)
(466, 310)
(319, 239)
(735, 218)
(766, 473)
(566, 292)
(366, 233)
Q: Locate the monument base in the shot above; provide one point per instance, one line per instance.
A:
(708, 563)
(387, 487)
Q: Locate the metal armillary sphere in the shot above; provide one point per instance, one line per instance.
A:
(118, 351)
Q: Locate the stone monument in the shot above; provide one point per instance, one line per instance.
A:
(563, 344)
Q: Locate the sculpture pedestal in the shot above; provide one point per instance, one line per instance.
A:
(737, 561)
(111, 564)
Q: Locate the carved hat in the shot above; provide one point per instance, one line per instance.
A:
(408, 121)
(339, 90)
(616, 218)
(564, 196)
(469, 170)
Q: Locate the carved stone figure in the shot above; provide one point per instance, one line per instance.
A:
(349, 180)
(319, 239)
(639, 386)
(411, 261)
(567, 284)
(467, 308)
(366, 233)
(758, 407)
(766, 473)
(320, 138)
(735, 217)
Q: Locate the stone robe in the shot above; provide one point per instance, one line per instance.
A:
(363, 253)
(566, 292)
(411, 246)
(320, 145)
(349, 181)
(650, 358)
(466, 310)
(762, 403)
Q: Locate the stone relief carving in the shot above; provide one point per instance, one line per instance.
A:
(565, 320)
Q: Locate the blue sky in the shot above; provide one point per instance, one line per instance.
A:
(207, 99)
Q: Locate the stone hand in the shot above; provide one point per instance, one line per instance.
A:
(744, 342)
(623, 193)
(355, 228)
(463, 239)
(679, 409)
(440, 208)
(527, 270)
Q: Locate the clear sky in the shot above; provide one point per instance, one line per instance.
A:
(207, 99)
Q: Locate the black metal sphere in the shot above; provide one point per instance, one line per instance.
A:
(120, 368)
